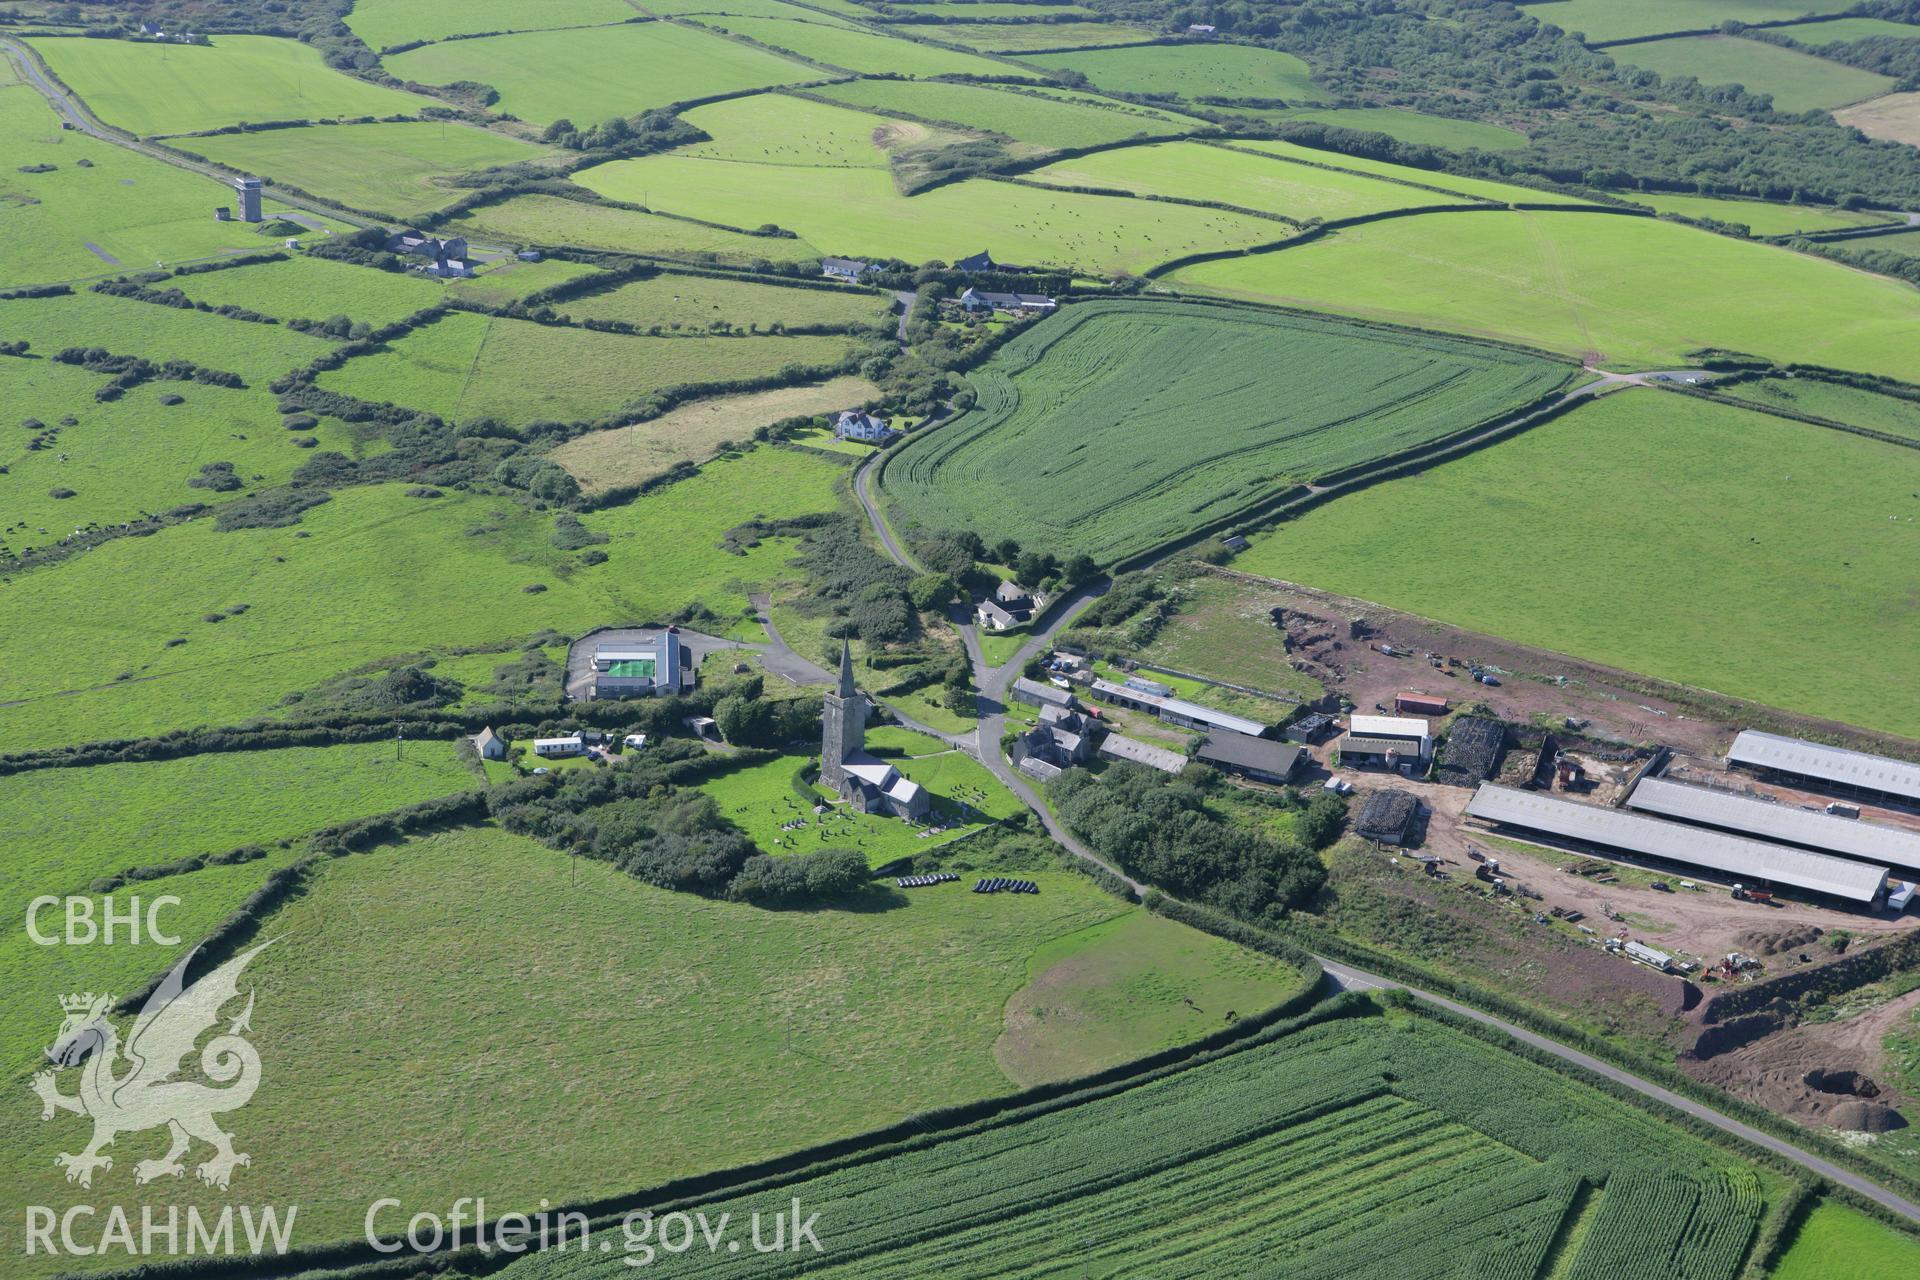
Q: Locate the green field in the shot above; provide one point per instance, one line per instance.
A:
(313, 289)
(510, 280)
(1196, 171)
(1839, 1243)
(1664, 535)
(1843, 30)
(1048, 119)
(387, 574)
(467, 365)
(116, 211)
(551, 220)
(1760, 217)
(1479, 188)
(389, 22)
(858, 211)
(969, 9)
(1190, 71)
(697, 302)
(587, 76)
(1119, 426)
(134, 455)
(126, 326)
(1835, 402)
(1625, 292)
(149, 89)
(704, 1034)
(402, 169)
(780, 129)
(116, 817)
(1623, 19)
(1360, 1148)
(602, 460)
(1409, 126)
(1011, 37)
(851, 48)
(1796, 81)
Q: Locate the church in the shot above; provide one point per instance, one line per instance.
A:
(867, 784)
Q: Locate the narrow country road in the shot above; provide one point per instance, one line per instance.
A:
(993, 682)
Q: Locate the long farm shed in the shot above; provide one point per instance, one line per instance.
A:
(1733, 857)
(1783, 823)
(1854, 771)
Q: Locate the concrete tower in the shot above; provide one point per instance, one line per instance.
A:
(843, 725)
(249, 190)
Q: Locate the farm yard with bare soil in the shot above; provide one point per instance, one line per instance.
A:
(1088, 637)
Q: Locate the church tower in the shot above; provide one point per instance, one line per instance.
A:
(843, 725)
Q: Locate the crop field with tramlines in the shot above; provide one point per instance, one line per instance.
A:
(1122, 425)
(1363, 1147)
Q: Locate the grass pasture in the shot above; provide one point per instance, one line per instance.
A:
(303, 288)
(392, 574)
(467, 365)
(1796, 81)
(134, 455)
(552, 219)
(830, 43)
(676, 301)
(117, 211)
(1119, 426)
(1761, 217)
(1478, 188)
(1625, 19)
(1893, 118)
(1836, 1242)
(382, 23)
(1817, 35)
(1835, 402)
(1051, 119)
(587, 76)
(149, 88)
(1191, 71)
(602, 460)
(780, 129)
(118, 816)
(837, 1021)
(259, 353)
(1625, 292)
(1026, 37)
(402, 169)
(858, 211)
(511, 280)
(1408, 126)
(1361, 1147)
(1197, 171)
(1644, 551)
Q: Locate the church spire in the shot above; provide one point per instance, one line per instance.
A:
(846, 669)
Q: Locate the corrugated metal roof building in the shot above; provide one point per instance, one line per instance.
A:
(1785, 823)
(1178, 711)
(1732, 857)
(1830, 766)
(1116, 747)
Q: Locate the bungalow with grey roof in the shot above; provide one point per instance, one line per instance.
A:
(848, 269)
(1012, 303)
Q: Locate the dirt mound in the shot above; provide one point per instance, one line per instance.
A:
(1864, 1117)
(1773, 942)
(1849, 1083)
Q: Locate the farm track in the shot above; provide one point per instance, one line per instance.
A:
(74, 111)
(993, 682)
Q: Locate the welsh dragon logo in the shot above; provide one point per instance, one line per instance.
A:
(135, 1086)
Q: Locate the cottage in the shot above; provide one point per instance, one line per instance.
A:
(449, 269)
(572, 745)
(1012, 303)
(996, 617)
(981, 261)
(490, 745)
(1256, 758)
(847, 269)
(858, 424)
